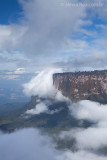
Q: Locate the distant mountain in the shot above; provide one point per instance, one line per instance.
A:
(82, 85)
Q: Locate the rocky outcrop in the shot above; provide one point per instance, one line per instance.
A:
(82, 85)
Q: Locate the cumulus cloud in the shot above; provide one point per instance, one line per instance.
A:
(93, 137)
(47, 30)
(43, 105)
(29, 144)
(60, 97)
(48, 24)
(39, 108)
(43, 28)
(42, 85)
(89, 110)
(26, 144)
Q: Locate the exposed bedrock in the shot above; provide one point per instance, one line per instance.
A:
(82, 85)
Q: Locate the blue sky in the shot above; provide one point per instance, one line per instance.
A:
(10, 11)
(35, 35)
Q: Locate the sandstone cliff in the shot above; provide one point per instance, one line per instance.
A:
(82, 85)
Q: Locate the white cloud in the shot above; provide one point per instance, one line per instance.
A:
(44, 27)
(18, 71)
(29, 144)
(42, 84)
(46, 31)
(89, 110)
(10, 36)
(93, 137)
(80, 155)
(39, 108)
(48, 24)
(26, 144)
(60, 97)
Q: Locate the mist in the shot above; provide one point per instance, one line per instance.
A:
(26, 144)
(93, 138)
(30, 144)
(42, 86)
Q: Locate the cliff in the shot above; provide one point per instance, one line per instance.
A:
(82, 85)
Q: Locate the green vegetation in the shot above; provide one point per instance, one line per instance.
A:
(51, 123)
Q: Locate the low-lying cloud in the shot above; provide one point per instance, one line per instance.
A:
(95, 136)
(92, 138)
(42, 86)
(89, 110)
(39, 108)
(29, 144)
(26, 144)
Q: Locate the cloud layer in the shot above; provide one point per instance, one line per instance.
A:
(39, 108)
(94, 137)
(29, 144)
(89, 110)
(42, 84)
(26, 144)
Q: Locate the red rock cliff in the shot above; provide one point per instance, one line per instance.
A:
(82, 85)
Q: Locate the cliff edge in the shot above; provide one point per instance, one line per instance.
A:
(82, 85)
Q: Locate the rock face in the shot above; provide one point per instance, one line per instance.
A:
(82, 85)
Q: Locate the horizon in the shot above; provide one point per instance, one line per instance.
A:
(83, 71)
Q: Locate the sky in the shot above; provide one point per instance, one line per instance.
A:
(10, 12)
(66, 34)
